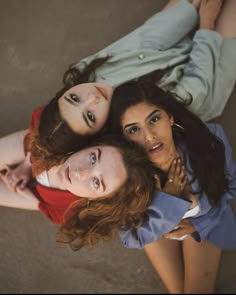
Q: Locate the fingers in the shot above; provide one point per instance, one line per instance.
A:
(185, 227)
(177, 173)
(10, 179)
(5, 170)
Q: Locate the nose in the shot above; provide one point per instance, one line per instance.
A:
(149, 135)
(94, 98)
(81, 174)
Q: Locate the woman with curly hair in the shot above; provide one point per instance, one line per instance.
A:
(91, 193)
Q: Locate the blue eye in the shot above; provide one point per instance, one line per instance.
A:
(132, 129)
(93, 158)
(154, 119)
(91, 117)
(96, 183)
(74, 97)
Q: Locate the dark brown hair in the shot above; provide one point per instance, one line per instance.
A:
(205, 150)
(54, 134)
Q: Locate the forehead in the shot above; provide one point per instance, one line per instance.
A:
(141, 110)
(79, 87)
(113, 168)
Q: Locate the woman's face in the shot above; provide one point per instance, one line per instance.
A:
(150, 126)
(93, 172)
(85, 107)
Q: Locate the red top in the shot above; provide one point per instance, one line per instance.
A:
(52, 202)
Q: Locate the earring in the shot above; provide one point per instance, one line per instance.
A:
(179, 126)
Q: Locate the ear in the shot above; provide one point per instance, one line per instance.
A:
(172, 120)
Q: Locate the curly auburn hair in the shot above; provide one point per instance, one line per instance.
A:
(104, 217)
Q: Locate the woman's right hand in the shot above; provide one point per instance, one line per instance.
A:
(177, 178)
(16, 178)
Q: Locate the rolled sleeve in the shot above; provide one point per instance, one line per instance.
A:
(164, 213)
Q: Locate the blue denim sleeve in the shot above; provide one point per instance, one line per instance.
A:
(163, 214)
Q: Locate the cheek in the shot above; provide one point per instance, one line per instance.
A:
(102, 114)
(136, 138)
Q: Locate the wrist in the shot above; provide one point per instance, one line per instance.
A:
(208, 26)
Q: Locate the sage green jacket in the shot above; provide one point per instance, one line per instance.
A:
(203, 69)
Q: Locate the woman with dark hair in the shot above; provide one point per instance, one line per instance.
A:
(91, 193)
(173, 137)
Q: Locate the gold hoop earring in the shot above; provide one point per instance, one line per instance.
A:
(179, 126)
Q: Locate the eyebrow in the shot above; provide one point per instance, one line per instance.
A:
(67, 99)
(86, 120)
(101, 179)
(131, 124)
(155, 111)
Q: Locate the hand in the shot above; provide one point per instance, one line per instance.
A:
(16, 178)
(185, 227)
(208, 13)
(177, 178)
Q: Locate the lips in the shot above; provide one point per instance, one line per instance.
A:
(157, 148)
(102, 92)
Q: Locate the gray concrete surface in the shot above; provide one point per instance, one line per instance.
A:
(38, 40)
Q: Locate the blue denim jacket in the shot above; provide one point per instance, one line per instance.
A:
(216, 224)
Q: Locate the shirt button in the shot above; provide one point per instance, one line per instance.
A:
(141, 56)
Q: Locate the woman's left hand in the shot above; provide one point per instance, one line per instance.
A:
(185, 227)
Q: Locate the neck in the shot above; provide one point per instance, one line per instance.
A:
(53, 178)
(165, 164)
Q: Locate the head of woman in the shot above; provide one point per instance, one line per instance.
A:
(77, 112)
(115, 175)
(151, 117)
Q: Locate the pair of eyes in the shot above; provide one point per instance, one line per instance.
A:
(133, 129)
(95, 180)
(89, 114)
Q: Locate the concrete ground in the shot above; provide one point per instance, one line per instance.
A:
(38, 40)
